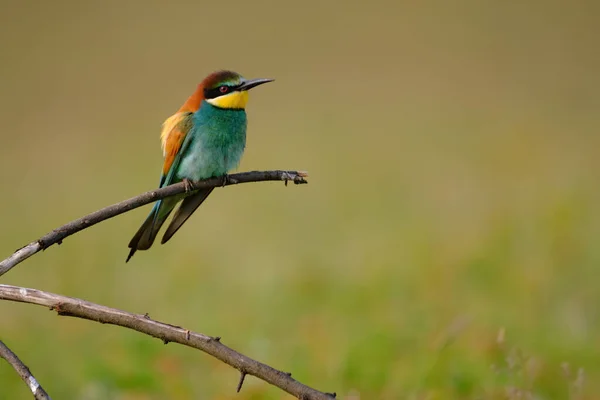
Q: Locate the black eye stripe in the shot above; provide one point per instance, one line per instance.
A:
(216, 92)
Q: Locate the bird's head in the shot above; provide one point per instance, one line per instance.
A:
(228, 89)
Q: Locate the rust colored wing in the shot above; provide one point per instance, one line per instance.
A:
(174, 131)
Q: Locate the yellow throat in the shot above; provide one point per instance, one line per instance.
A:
(233, 100)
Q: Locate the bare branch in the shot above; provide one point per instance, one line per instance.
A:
(58, 234)
(68, 306)
(36, 389)
(72, 307)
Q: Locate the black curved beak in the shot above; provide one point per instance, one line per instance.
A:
(249, 84)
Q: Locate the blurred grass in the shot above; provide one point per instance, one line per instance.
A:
(446, 246)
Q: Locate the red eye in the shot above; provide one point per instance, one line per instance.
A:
(223, 89)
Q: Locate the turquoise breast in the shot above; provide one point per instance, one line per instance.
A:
(218, 139)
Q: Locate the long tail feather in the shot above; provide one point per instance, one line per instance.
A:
(185, 210)
(145, 236)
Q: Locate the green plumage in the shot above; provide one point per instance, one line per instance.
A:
(214, 141)
(213, 146)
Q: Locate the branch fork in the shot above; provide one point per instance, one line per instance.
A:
(72, 307)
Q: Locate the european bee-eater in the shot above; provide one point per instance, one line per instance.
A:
(205, 138)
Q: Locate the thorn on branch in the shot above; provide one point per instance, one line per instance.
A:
(334, 394)
(285, 177)
(147, 316)
(288, 374)
(217, 339)
(165, 341)
(241, 382)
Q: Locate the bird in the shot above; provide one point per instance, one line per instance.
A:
(205, 138)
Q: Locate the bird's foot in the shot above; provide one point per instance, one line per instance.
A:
(188, 185)
(227, 180)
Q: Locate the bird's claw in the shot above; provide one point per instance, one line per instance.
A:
(227, 180)
(188, 185)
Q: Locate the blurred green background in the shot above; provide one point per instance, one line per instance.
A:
(445, 248)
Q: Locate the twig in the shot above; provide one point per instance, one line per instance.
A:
(241, 382)
(72, 307)
(38, 391)
(58, 234)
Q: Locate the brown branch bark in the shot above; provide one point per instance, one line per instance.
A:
(36, 389)
(72, 307)
(68, 306)
(58, 234)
